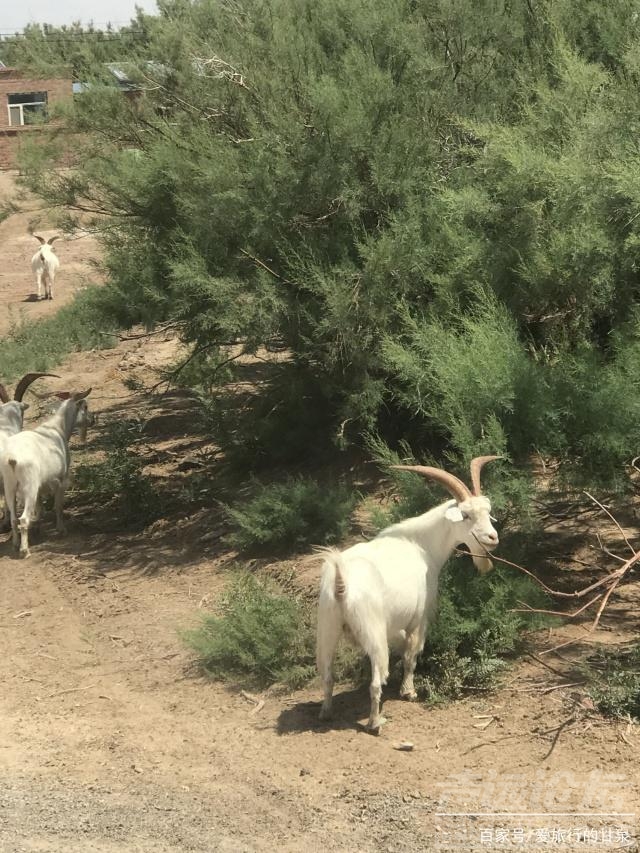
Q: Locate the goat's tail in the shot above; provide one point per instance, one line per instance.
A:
(13, 463)
(333, 583)
(42, 258)
(331, 606)
(339, 587)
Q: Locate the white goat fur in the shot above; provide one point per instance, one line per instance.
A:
(45, 264)
(11, 420)
(385, 592)
(39, 459)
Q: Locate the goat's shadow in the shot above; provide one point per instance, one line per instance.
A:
(32, 297)
(348, 707)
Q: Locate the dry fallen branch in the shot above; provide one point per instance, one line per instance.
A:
(615, 521)
(63, 692)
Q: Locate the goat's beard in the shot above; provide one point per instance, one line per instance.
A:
(482, 563)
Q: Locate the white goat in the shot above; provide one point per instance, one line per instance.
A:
(37, 459)
(385, 592)
(12, 414)
(45, 264)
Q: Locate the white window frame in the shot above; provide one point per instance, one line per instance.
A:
(20, 106)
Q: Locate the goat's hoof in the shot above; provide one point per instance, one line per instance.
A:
(24, 554)
(409, 695)
(373, 727)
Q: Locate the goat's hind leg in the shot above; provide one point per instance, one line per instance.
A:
(5, 524)
(24, 523)
(12, 509)
(329, 632)
(379, 657)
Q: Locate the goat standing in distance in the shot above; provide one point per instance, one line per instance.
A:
(39, 459)
(45, 264)
(12, 414)
(385, 591)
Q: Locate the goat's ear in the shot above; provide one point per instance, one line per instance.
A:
(41, 240)
(454, 513)
(24, 406)
(62, 395)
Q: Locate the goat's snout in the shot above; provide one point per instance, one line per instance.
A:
(489, 539)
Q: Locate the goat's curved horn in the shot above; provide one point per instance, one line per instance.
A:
(26, 380)
(455, 486)
(52, 239)
(476, 466)
(41, 239)
(80, 395)
(4, 396)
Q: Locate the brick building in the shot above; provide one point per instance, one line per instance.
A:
(26, 103)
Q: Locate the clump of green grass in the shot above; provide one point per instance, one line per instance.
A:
(259, 635)
(295, 513)
(613, 677)
(262, 635)
(118, 481)
(42, 344)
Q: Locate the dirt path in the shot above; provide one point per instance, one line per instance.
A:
(110, 742)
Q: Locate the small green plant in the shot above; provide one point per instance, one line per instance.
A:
(293, 514)
(476, 630)
(118, 480)
(613, 677)
(260, 635)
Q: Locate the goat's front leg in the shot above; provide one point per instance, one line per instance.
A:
(58, 496)
(39, 283)
(413, 647)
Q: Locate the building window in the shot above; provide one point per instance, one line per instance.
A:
(27, 108)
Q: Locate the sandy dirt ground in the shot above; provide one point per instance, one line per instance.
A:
(111, 741)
